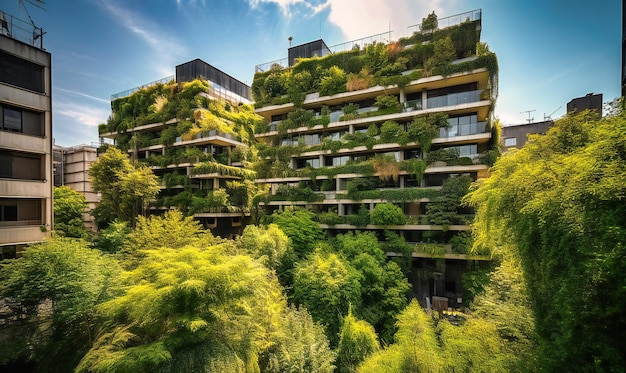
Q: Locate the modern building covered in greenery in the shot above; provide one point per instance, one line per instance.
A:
(193, 131)
(386, 138)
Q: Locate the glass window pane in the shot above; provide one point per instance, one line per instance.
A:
(12, 120)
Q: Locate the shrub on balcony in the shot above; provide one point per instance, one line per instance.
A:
(442, 210)
(361, 218)
(392, 133)
(387, 214)
(386, 167)
(330, 218)
(358, 81)
(426, 128)
(394, 195)
(363, 183)
(333, 82)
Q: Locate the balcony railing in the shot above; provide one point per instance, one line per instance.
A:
(21, 30)
(457, 19)
(211, 133)
(464, 129)
(129, 92)
(20, 223)
(453, 99)
(413, 105)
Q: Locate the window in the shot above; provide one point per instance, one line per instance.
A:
(12, 120)
(511, 141)
(21, 73)
(8, 213)
(19, 165)
(22, 121)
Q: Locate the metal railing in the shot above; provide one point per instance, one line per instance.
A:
(267, 66)
(457, 19)
(384, 37)
(282, 63)
(464, 129)
(21, 30)
(453, 99)
(129, 92)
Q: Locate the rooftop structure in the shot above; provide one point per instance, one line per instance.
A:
(221, 85)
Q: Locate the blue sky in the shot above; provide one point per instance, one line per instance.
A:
(549, 51)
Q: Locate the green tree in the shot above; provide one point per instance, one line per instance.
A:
(171, 230)
(384, 287)
(188, 309)
(125, 189)
(429, 24)
(442, 210)
(301, 229)
(444, 54)
(326, 285)
(559, 204)
(300, 346)
(357, 341)
(69, 207)
(505, 303)
(267, 244)
(112, 238)
(75, 279)
(415, 349)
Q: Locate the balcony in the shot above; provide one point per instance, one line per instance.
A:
(463, 129)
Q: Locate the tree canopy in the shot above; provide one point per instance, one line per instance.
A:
(125, 188)
(69, 207)
(559, 203)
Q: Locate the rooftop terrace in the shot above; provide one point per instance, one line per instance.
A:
(21, 30)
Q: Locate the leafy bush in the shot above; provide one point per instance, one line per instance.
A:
(333, 82)
(387, 214)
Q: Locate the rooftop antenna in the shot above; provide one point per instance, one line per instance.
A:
(530, 120)
(37, 31)
(37, 3)
(549, 116)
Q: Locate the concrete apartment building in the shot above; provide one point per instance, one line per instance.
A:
(70, 169)
(26, 180)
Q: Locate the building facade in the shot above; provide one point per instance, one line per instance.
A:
(26, 179)
(403, 130)
(192, 132)
(71, 165)
(515, 136)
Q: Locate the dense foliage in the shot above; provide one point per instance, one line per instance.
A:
(69, 207)
(125, 189)
(558, 203)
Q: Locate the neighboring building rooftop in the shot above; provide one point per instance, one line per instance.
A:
(516, 136)
(588, 102)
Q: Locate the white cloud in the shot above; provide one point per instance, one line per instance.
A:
(290, 7)
(163, 44)
(357, 19)
(82, 95)
(79, 114)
